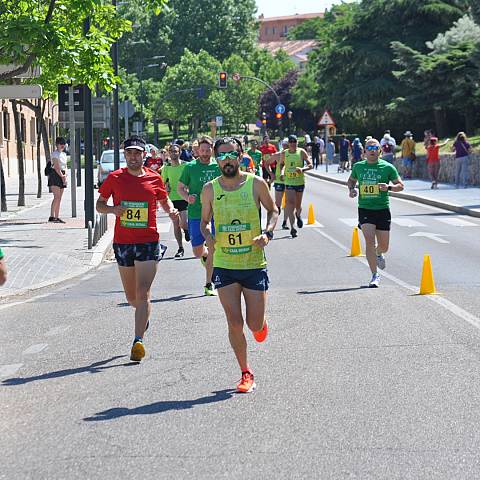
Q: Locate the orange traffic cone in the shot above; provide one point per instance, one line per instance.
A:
(427, 283)
(311, 215)
(356, 250)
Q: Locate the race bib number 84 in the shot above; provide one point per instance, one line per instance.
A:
(135, 215)
(369, 190)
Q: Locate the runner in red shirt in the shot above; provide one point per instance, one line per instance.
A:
(136, 191)
(267, 149)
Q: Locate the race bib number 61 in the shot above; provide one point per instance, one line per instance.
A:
(135, 215)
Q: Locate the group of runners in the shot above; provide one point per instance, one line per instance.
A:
(215, 202)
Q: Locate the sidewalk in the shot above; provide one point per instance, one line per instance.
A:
(465, 201)
(39, 253)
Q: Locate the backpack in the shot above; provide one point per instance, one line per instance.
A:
(48, 169)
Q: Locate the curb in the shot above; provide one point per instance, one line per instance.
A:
(101, 250)
(408, 196)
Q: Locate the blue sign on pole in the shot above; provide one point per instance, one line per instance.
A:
(280, 108)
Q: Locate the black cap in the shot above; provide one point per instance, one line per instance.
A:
(292, 138)
(60, 141)
(135, 143)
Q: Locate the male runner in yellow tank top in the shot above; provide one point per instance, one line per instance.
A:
(292, 166)
(239, 264)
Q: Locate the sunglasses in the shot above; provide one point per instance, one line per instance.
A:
(232, 155)
(292, 141)
(372, 148)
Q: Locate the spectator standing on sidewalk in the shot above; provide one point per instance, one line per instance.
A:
(408, 153)
(344, 148)
(462, 149)
(315, 149)
(357, 151)
(388, 145)
(57, 179)
(330, 152)
(433, 160)
(3, 269)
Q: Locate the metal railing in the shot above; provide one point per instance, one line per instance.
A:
(96, 231)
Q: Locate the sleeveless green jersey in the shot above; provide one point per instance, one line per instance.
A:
(236, 223)
(292, 161)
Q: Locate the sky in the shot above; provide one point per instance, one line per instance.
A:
(274, 8)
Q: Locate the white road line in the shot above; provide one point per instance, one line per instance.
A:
(57, 330)
(431, 236)
(164, 227)
(33, 349)
(316, 224)
(351, 222)
(8, 370)
(457, 222)
(407, 222)
(447, 304)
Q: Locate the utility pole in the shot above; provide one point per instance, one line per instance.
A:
(89, 202)
(116, 126)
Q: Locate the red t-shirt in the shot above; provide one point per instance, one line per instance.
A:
(154, 164)
(267, 150)
(433, 153)
(139, 195)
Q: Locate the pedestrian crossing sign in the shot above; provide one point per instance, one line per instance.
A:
(326, 119)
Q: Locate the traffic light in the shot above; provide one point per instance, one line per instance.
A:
(279, 116)
(264, 118)
(222, 79)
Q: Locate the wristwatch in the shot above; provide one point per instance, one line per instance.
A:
(269, 234)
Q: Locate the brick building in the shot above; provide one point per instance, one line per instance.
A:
(275, 29)
(8, 146)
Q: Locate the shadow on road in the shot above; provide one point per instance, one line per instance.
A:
(332, 290)
(176, 298)
(93, 368)
(161, 407)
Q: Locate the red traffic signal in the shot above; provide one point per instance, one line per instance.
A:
(279, 116)
(222, 79)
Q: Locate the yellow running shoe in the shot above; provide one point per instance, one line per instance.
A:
(246, 383)
(137, 352)
(210, 290)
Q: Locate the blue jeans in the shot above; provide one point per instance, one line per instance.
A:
(461, 171)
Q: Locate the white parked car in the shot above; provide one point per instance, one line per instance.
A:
(105, 165)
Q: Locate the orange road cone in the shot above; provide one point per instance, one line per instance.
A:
(427, 284)
(311, 215)
(356, 250)
(284, 201)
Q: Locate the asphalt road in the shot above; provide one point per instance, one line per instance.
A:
(352, 382)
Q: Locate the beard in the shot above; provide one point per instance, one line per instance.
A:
(230, 171)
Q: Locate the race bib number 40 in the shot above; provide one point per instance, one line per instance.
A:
(135, 215)
(369, 190)
(234, 239)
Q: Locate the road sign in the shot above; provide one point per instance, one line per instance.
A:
(32, 72)
(78, 95)
(326, 119)
(137, 127)
(219, 121)
(236, 77)
(101, 112)
(280, 108)
(20, 92)
(128, 105)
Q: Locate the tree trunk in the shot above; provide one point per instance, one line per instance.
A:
(440, 121)
(20, 159)
(39, 111)
(470, 122)
(3, 192)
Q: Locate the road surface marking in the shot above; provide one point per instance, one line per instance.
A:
(431, 236)
(351, 222)
(407, 222)
(37, 348)
(316, 224)
(457, 222)
(7, 370)
(447, 304)
(57, 330)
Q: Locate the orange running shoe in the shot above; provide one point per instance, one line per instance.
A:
(246, 383)
(261, 335)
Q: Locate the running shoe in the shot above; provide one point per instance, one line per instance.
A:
(284, 225)
(381, 261)
(187, 235)
(137, 352)
(58, 220)
(246, 383)
(51, 219)
(375, 281)
(261, 335)
(293, 233)
(180, 253)
(299, 222)
(210, 290)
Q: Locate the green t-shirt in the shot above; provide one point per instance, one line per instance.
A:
(369, 175)
(195, 175)
(257, 159)
(171, 174)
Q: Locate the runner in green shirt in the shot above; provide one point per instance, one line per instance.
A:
(194, 176)
(373, 177)
(234, 199)
(256, 155)
(3, 268)
(171, 175)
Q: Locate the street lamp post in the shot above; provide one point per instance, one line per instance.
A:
(116, 126)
